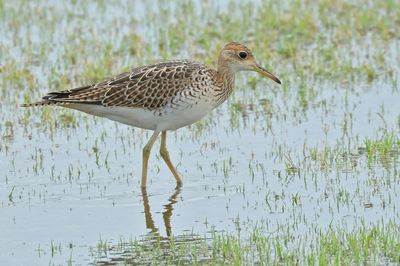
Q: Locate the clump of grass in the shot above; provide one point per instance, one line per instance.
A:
(374, 244)
(383, 150)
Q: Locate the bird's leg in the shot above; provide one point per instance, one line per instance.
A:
(165, 155)
(146, 154)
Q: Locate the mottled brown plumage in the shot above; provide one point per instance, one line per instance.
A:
(148, 87)
(163, 96)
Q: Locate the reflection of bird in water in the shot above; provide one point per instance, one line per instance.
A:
(161, 97)
(168, 208)
(163, 249)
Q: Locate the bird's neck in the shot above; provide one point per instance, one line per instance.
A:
(225, 78)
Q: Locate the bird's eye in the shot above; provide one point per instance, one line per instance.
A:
(243, 55)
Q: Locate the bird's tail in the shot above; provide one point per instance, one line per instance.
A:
(34, 104)
(44, 103)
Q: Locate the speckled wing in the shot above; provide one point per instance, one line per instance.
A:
(149, 87)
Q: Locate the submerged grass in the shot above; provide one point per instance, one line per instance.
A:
(385, 150)
(377, 244)
(327, 158)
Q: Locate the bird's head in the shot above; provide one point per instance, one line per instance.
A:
(237, 57)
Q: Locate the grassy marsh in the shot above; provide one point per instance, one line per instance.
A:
(306, 173)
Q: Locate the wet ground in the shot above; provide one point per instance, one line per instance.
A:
(293, 159)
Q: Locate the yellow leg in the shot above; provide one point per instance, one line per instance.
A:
(146, 154)
(165, 155)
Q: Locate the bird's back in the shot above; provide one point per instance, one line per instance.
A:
(149, 87)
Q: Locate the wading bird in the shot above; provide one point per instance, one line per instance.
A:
(161, 97)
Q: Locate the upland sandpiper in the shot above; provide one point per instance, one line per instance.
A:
(161, 97)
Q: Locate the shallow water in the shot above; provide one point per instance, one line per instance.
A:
(249, 163)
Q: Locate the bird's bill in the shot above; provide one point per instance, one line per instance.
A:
(266, 73)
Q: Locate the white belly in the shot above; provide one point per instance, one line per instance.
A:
(171, 119)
